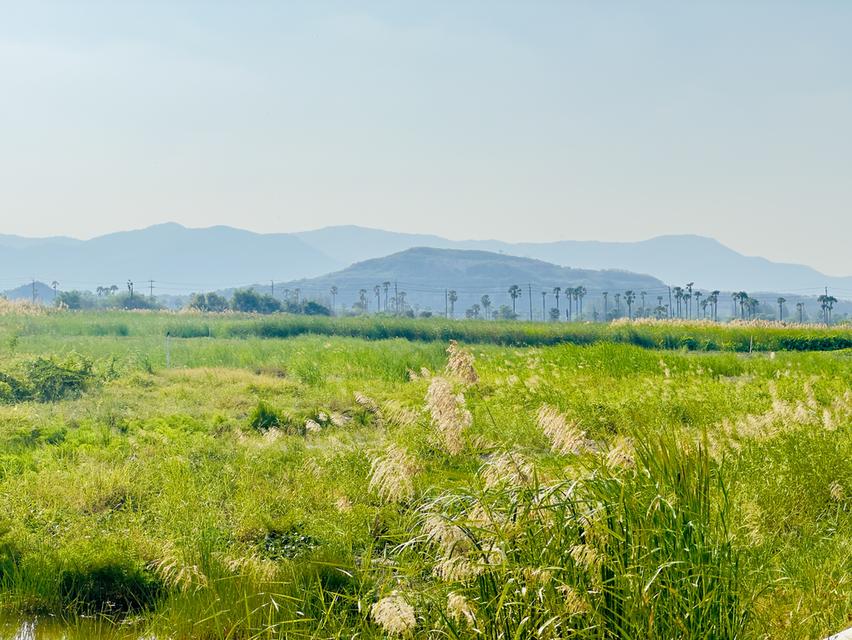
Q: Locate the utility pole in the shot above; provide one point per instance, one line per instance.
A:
(446, 304)
(529, 295)
(151, 290)
(543, 305)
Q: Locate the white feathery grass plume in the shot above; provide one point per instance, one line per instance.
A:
(459, 609)
(836, 492)
(391, 475)
(394, 615)
(621, 455)
(565, 437)
(507, 468)
(369, 405)
(312, 426)
(338, 419)
(449, 415)
(460, 364)
(396, 412)
(450, 539)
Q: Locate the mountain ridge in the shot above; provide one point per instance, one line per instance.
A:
(183, 259)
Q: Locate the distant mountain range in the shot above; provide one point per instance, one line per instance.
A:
(180, 260)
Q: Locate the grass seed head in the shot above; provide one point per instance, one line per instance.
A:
(394, 615)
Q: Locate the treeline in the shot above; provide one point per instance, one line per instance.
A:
(250, 301)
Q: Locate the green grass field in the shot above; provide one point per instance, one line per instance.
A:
(321, 478)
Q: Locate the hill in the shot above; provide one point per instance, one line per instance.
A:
(44, 294)
(423, 274)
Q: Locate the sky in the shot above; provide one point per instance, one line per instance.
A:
(517, 121)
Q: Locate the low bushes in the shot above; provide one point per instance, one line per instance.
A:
(46, 379)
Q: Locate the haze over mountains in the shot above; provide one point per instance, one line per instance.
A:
(180, 260)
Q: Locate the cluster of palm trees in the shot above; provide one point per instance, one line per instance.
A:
(682, 302)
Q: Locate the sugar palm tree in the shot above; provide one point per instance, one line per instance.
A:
(581, 293)
(642, 295)
(704, 304)
(781, 302)
(362, 299)
(605, 295)
(55, 286)
(333, 291)
(543, 306)
(800, 307)
(697, 295)
(453, 297)
(617, 297)
(386, 286)
(688, 298)
(556, 292)
(629, 297)
(678, 295)
(514, 293)
(486, 304)
(377, 291)
(570, 296)
(714, 300)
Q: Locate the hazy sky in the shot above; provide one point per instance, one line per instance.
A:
(522, 120)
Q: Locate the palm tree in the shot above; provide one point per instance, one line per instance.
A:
(697, 295)
(130, 288)
(486, 304)
(687, 305)
(55, 285)
(714, 300)
(386, 286)
(400, 301)
(688, 297)
(113, 289)
(453, 297)
(704, 304)
(678, 295)
(781, 302)
(629, 297)
(617, 297)
(741, 297)
(642, 295)
(605, 295)
(377, 290)
(514, 293)
(569, 295)
(544, 306)
(800, 307)
(298, 292)
(753, 304)
(581, 293)
(100, 291)
(659, 305)
(334, 290)
(556, 292)
(474, 310)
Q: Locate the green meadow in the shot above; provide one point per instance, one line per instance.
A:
(202, 476)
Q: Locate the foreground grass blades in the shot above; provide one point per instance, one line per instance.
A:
(326, 487)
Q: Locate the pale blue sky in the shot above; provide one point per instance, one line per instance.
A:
(524, 120)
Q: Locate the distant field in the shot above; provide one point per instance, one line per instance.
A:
(339, 478)
(693, 336)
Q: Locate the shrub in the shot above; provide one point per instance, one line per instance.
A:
(50, 380)
(264, 417)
